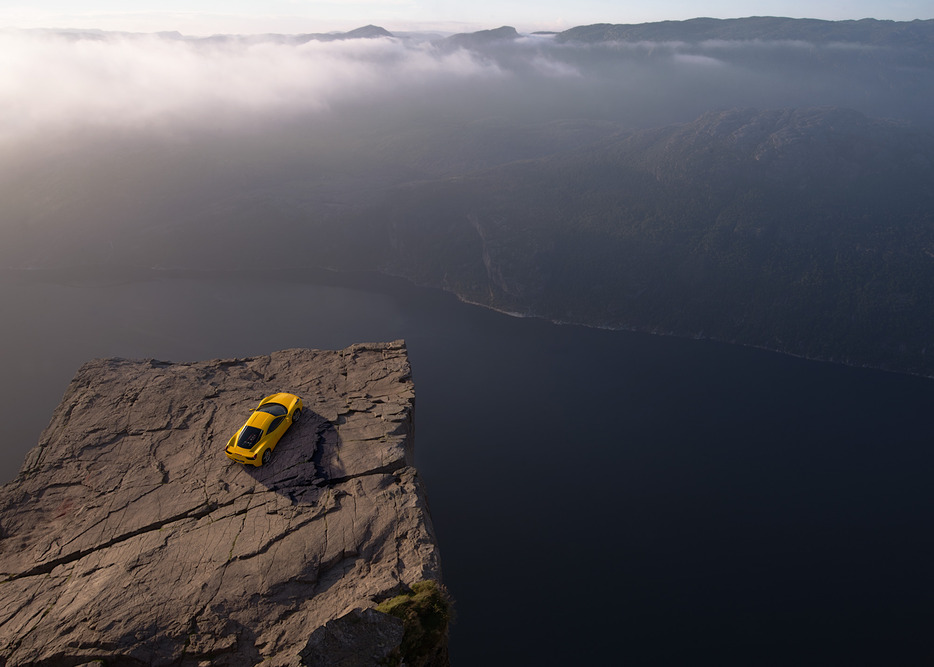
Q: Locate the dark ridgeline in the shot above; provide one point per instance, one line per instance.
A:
(899, 34)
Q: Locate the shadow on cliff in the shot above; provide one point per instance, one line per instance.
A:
(230, 644)
(305, 459)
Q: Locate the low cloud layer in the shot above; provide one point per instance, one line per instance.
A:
(59, 80)
(54, 80)
(101, 132)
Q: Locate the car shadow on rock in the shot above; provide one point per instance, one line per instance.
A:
(305, 460)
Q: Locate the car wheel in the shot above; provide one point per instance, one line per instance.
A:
(296, 416)
(267, 456)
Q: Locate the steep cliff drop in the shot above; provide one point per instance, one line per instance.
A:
(130, 538)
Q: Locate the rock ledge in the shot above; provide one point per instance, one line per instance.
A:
(129, 537)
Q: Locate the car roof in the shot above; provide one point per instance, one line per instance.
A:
(260, 420)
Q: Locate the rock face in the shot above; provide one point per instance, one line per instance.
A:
(130, 537)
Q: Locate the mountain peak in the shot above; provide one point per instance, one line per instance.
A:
(482, 37)
(367, 32)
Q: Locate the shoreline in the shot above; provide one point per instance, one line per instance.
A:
(363, 280)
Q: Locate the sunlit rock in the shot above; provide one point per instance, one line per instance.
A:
(130, 537)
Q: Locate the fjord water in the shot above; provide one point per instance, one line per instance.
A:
(599, 497)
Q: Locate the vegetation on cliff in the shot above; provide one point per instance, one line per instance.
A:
(426, 612)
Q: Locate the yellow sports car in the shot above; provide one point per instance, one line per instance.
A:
(254, 442)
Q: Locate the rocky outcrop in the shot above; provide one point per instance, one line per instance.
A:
(130, 537)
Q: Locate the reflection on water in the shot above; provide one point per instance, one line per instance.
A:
(599, 496)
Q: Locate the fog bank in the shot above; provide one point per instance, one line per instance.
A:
(130, 138)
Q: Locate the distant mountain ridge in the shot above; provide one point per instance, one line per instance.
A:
(363, 32)
(874, 32)
(864, 31)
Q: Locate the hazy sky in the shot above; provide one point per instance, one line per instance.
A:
(253, 16)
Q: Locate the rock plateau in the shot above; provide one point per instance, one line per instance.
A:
(129, 537)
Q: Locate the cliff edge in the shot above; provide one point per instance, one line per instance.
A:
(129, 537)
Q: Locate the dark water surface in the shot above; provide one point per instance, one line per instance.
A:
(600, 497)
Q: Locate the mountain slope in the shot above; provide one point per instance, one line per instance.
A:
(808, 231)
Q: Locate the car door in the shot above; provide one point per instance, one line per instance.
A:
(275, 431)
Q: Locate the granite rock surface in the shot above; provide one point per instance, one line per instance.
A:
(130, 537)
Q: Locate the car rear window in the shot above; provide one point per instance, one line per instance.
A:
(249, 436)
(275, 409)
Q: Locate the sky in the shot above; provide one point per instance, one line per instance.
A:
(205, 17)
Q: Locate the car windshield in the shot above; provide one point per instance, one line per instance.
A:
(275, 409)
(249, 436)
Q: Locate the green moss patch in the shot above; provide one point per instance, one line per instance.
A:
(425, 611)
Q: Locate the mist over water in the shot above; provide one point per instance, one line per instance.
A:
(73, 80)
